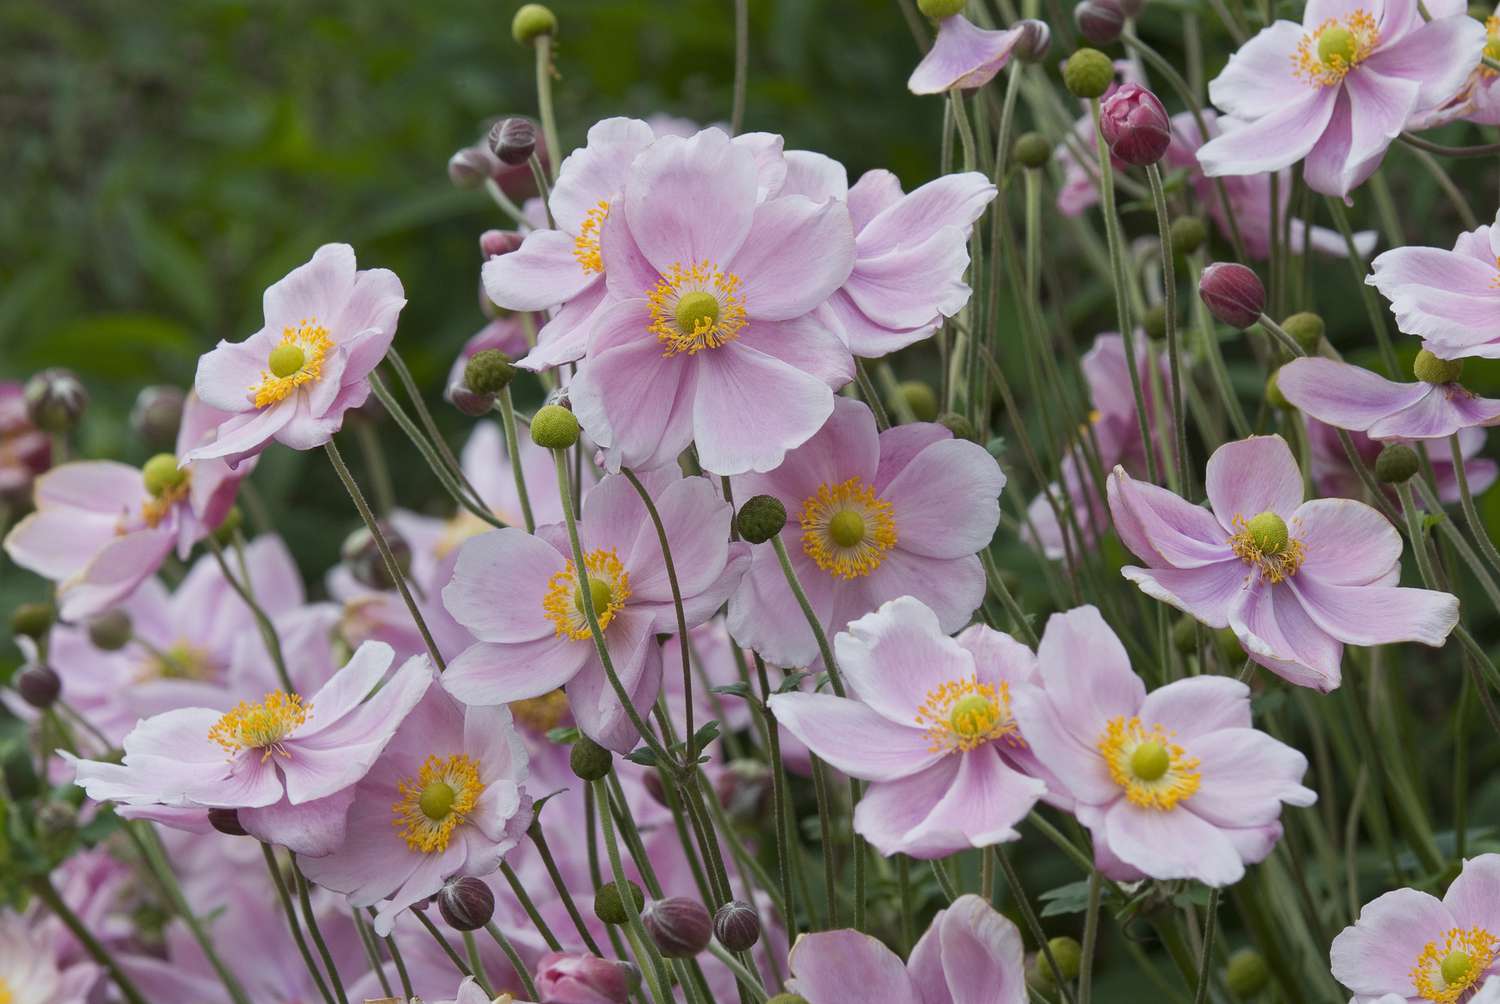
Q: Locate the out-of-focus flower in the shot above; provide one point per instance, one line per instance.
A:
(32, 967)
(1335, 90)
(879, 515)
(1349, 397)
(469, 993)
(1449, 299)
(1332, 475)
(55, 400)
(1295, 580)
(585, 979)
(1477, 100)
(156, 415)
(25, 450)
(327, 326)
(963, 56)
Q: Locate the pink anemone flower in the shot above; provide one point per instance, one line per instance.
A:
(962, 56)
(99, 531)
(1409, 947)
(1174, 784)
(710, 336)
(288, 765)
(1337, 89)
(928, 723)
(873, 516)
(32, 970)
(446, 797)
(1296, 581)
(1332, 475)
(327, 326)
(969, 954)
(1478, 101)
(1348, 397)
(518, 594)
(1449, 299)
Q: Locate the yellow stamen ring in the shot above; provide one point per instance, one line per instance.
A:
(1154, 771)
(295, 360)
(262, 726)
(609, 588)
(436, 802)
(846, 529)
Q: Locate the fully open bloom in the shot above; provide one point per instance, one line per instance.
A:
(1337, 89)
(873, 516)
(446, 797)
(962, 56)
(32, 970)
(968, 955)
(1295, 580)
(928, 723)
(1449, 299)
(1417, 948)
(1332, 474)
(327, 326)
(101, 528)
(1348, 397)
(1173, 784)
(286, 764)
(519, 595)
(710, 338)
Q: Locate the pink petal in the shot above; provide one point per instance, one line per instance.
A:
(1378, 615)
(499, 673)
(312, 829)
(953, 588)
(733, 432)
(1446, 409)
(908, 287)
(1082, 657)
(796, 254)
(1163, 528)
(962, 56)
(1071, 754)
(1347, 543)
(852, 738)
(319, 288)
(810, 343)
(228, 373)
(1376, 954)
(946, 502)
(637, 660)
(1274, 141)
(972, 952)
(59, 543)
(814, 175)
(113, 574)
(1172, 844)
(1246, 776)
(1198, 705)
(1277, 632)
(1474, 896)
(1257, 80)
(1206, 593)
(874, 192)
(1345, 396)
(1438, 57)
(565, 338)
(541, 273)
(691, 200)
(498, 585)
(596, 171)
(1252, 476)
(893, 657)
(825, 965)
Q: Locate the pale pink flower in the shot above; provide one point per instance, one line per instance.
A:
(1349, 397)
(962, 56)
(1332, 475)
(31, 971)
(1449, 299)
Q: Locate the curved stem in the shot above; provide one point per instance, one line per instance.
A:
(262, 620)
(311, 917)
(1033, 925)
(650, 960)
(524, 898)
(746, 978)
(1484, 150)
(48, 894)
(1090, 940)
(543, 45)
(513, 446)
(1367, 292)
(514, 957)
(1466, 499)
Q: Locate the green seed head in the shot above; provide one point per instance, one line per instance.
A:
(1088, 73)
(589, 760)
(1247, 974)
(161, 474)
(1274, 397)
(1155, 321)
(31, 620)
(847, 528)
(437, 800)
(1396, 464)
(1268, 533)
(696, 311)
(111, 630)
(1150, 761)
(286, 359)
(554, 427)
(1430, 369)
(1492, 46)
(488, 372)
(1455, 967)
(1336, 46)
(531, 22)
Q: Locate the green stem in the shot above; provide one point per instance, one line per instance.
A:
(741, 64)
(372, 951)
(1090, 940)
(48, 894)
(819, 635)
(650, 960)
(1367, 293)
(514, 957)
(543, 45)
(262, 620)
(476, 964)
(1205, 963)
(524, 898)
(540, 841)
(1169, 302)
(292, 923)
(1466, 499)
(1033, 925)
(513, 447)
(311, 919)
(746, 978)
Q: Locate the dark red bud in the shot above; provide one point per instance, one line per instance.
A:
(1232, 293)
(681, 927)
(1135, 125)
(1099, 21)
(466, 903)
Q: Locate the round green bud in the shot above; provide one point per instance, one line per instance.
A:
(1268, 533)
(921, 399)
(590, 761)
(1033, 150)
(1306, 329)
(1088, 73)
(1430, 369)
(1274, 397)
(960, 426)
(488, 372)
(1247, 974)
(1068, 955)
(939, 9)
(161, 474)
(609, 905)
(554, 427)
(761, 518)
(31, 620)
(1396, 464)
(1155, 321)
(1185, 635)
(531, 22)
(1188, 234)
(111, 630)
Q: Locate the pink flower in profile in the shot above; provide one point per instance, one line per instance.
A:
(1410, 946)
(562, 978)
(327, 326)
(962, 56)
(709, 337)
(969, 954)
(928, 724)
(1174, 784)
(25, 450)
(1296, 581)
(1332, 474)
(1449, 299)
(286, 764)
(871, 516)
(518, 594)
(1348, 397)
(1478, 100)
(99, 532)
(446, 797)
(1335, 90)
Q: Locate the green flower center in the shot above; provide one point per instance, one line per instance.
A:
(847, 528)
(1268, 533)
(1455, 967)
(286, 359)
(1150, 760)
(1430, 369)
(161, 474)
(599, 592)
(437, 800)
(973, 716)
(697, 311)
(1336, 42)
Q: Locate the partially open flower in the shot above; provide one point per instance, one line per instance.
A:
(55, 400)
(1135, 125)
(1232, 293)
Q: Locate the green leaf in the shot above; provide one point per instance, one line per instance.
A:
(1065, 899)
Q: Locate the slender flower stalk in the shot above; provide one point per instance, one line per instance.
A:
(1169, 305)
(293, 924)
(513, 449)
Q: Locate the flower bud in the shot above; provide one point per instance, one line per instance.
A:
(960, 426)
(1154, 321)
(531, 22)
(939, 9)
(585, 979)
(920, 398)
(31, 620)
(1032, 150)
(227, 822)
(1396, 464)
(1135, 124)
(56, 824)
(55, 400)
(469, 167)
(1099, 21)
(681, 927)
(589, 760)
(469, 402)
(157, 415)
(1430, 369)
(488, 372)
(361, 555)
(1034, 40)
(761, 518)
(1188, 234)
(1068, 955)
(1247, 974)
(38, 685)
(111, 630)
(554, 427)
(1306, 330)
(498, 242)
(737, 926)
(1274, 397)
(466, 903)
(609, 905)
(1088, 73)
(1232, 293)
(161, 474)
(513, 140)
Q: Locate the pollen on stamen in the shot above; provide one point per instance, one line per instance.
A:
(586, 247)
(1448, 968)
(847, 529)
(696, 307)
(436, 802)
(1154, 771)
(1327, 54)
(1264, 545)
(264, 726)
(962, 715)
(609, 588)
(280, 378)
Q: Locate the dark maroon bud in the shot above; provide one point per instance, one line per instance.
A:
(55, 400)
(466, 903)
(681, 927)
(227, 821)
(513, 140)
(1232, 293)
(1033, 40)
(1135, 125)
(737, 926)
(469, 167)
(1099, 21)
(156, 416)
(471, 403)
(38, 686)
(651, 781)
(496, 242)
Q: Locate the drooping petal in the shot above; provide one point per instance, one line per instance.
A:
(1206, 593)
(1276, 631)
(1378, 615)
(962, 56)
(1345, 396)
(971, 954)
(1162, 528)
(1274, 141)
(826, 964)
